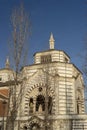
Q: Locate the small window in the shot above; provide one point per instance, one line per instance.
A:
(50, 105)
(46, 59)
(77, 108)
(40, 101)
(40, 89)
(66, 60)
(31, 105)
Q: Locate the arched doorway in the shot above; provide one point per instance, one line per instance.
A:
(40, 100)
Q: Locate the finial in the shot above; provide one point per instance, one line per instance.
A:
(51, 41)
(7, 64)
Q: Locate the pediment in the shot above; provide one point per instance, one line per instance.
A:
(79, 82)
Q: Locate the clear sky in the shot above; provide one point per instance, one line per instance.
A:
(66, 19)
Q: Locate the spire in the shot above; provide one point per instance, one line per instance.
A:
(7, 63)
(51, 41)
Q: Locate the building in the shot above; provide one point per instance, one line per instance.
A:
(3, 105)
(50, 92)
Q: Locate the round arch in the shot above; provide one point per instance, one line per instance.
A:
(36, 92)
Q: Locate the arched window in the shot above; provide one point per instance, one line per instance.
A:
(77, 108)
(31, 105)
(40, 101)
(79, 102)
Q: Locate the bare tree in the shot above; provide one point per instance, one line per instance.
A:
(20, 32)
(18, 52)
(84, 69)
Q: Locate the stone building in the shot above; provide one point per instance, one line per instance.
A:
(52, 95)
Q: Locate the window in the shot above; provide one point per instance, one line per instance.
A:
(66, 60)
(40, 101)
(31, 105)
(79, 101)
(49, 105)
(77, 108)
(0, 79)
(46, 59)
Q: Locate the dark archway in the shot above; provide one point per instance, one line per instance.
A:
(40, 101)
(31, 105)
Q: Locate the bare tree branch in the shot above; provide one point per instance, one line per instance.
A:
(18, 51)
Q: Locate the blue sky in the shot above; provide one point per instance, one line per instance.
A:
(66, 19)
